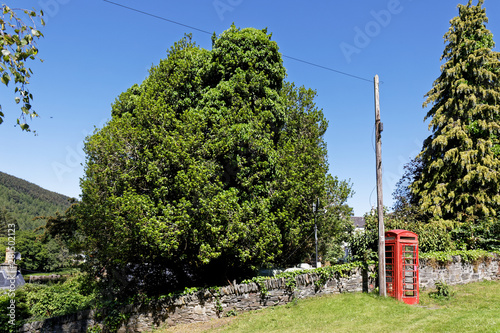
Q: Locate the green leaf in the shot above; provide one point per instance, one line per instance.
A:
(5, 79)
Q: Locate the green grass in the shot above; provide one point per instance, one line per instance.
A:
(62, 271)
(474, 308)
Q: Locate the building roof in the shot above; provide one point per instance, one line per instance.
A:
(6, 279)
(359, 222)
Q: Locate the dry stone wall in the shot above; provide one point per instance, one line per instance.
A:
(458, 271)
(208, 304)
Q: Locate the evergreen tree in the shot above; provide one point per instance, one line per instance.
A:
(206, 171)
(6, 222)
(460, 178)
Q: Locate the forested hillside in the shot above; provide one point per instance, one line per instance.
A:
(23, 201)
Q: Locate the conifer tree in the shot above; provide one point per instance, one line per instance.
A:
(460, 179)
(207, 171)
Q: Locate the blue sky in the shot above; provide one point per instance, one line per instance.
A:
(94, 50)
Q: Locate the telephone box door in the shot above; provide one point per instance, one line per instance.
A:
(409, 273)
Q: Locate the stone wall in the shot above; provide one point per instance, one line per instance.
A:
(209, 304)
(206, 305)
(457, 271)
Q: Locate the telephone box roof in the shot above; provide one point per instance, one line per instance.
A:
(400, 233)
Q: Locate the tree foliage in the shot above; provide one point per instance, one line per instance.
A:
(18, 32)
(431, 236)
(335, 225)
(25, 201)
(460, 177)
(6, 222)
(36, 302)
(406, 203)
(207, 170)
(38, 253)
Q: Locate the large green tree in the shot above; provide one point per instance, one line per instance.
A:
(18, 32)
(460, 177)
(207, 170)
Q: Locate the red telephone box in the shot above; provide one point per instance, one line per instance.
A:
(401, 265)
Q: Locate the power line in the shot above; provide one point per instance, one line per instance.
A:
(158, 17)
(328, 68)
(210, 33)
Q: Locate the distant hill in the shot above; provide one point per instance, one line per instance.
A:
(24, 201)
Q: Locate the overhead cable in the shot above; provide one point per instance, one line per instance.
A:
(210, 33)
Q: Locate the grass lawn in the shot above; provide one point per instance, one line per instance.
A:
(474, 308)
(62, 271)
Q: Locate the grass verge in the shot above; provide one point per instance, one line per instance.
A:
(474, 308)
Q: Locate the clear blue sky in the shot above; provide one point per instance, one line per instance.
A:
(94, 50)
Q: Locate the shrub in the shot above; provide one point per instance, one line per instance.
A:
(37, 301)
(21, 312)
(443, 291)
(483, 234)
(58, 299)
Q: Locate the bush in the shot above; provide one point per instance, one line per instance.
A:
(483, 234)
(364, 245)
(433, 236)
(443, 291)
(57, 299)
(37, 301)
(21, 311)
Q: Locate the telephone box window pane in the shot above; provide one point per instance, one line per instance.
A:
(408, 255)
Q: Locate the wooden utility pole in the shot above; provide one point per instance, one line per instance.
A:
(380, 199)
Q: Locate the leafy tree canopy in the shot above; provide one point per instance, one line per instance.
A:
(207, 170)
(460, 177)
(37, 254)
(18, 32)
